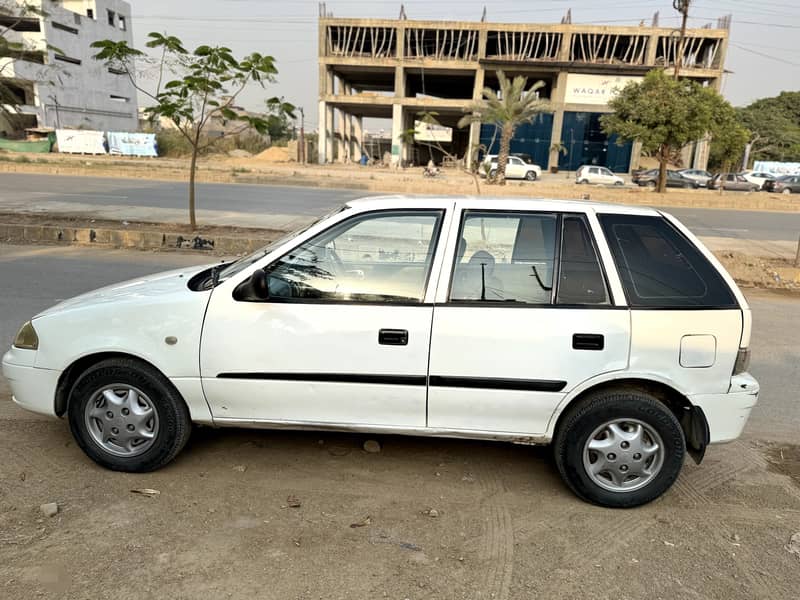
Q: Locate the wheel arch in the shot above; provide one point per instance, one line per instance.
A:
(692, 419)
(69, 376)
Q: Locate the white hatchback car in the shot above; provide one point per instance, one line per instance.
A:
(516, 168)
(597, 175)
(610, 332)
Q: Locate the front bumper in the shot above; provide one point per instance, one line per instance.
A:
(31, 388)
(727, 414)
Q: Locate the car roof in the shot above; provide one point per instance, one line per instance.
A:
(501, 203)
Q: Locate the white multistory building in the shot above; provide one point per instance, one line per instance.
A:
(56, 82)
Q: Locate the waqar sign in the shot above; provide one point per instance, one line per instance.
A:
(594, 89)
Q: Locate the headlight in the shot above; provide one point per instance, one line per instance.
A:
(27, 338)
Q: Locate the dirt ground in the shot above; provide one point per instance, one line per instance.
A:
(224, 523)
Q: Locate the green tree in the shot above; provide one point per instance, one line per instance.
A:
(201, 85)
(729, 141)
(665, 115)
(513, 105)
(775, 127)
(280, 115)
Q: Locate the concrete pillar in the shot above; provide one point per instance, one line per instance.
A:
(652, 47)
(557, 96)
(322, 143)
(398, 146)
(636, 155)
(475, 128)
(358, 138)
(329, 129)
(340, 135)
(701, 151)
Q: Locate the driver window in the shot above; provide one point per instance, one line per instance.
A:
(378, 257)
(505, 257)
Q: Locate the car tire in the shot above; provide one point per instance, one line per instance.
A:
(583, 182)
(132, 404)
(651, 184)
(619, 183)
(786, 191)
(493, 174)
(626, 482)
(530, 175)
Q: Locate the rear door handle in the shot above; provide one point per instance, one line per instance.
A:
(393, 337)
(588, 341)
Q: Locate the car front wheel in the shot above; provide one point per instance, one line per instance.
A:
(126, 416)
(786, 191)
(530, 175)
(619, 448)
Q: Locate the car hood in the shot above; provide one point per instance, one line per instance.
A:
(144, 288)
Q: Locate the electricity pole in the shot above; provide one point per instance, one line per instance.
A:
(682, 6)
(302, 156)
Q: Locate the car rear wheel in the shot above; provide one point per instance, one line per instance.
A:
(619, 448)
(651, 184)
(492, 173)
(126, 416)
(530, 175)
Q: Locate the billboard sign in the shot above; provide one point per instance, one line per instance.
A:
(595, 89)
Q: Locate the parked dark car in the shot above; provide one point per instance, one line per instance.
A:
(674, 179)
(732, 182)
(788, 184)
(639, 173)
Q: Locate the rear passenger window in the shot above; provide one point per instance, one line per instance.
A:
(505, 257)
(581, 279)
(659, 267)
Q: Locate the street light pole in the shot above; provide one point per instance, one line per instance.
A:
(682, 6)
(302, 152)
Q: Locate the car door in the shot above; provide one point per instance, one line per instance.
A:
(345, 334)
(606, 175)
(514, 168)
(523, 314)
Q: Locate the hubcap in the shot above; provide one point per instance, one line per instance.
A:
(122, 420)
(623, 455)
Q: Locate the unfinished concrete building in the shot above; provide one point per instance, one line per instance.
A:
(397, 69)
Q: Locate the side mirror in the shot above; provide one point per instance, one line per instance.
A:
(253, 289)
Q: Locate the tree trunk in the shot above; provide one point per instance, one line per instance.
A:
(663, 161)
(502, 157)
(192, 173)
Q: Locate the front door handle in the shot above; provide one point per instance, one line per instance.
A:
(588, 341)
(393, 337)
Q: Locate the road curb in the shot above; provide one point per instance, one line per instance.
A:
(134, 239)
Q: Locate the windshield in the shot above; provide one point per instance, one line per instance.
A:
(241, 264)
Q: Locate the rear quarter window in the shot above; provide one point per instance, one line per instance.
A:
(659, 267)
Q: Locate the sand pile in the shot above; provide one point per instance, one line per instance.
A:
(273, 154)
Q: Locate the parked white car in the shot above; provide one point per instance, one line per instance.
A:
(610, 332)
(757, 177)
(516, 168)
(597, 175)
(699, 175)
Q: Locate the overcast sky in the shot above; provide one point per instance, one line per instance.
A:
(763, 57)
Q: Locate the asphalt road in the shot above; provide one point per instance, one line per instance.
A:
(19, 190)
(35, 278)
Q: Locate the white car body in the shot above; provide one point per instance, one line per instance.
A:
(516, 168)
(700, 176)
(757, 177)
(597, 175)
(499, 370)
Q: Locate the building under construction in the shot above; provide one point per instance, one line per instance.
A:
(397, 69)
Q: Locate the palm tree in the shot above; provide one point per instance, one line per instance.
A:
(508, 108)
